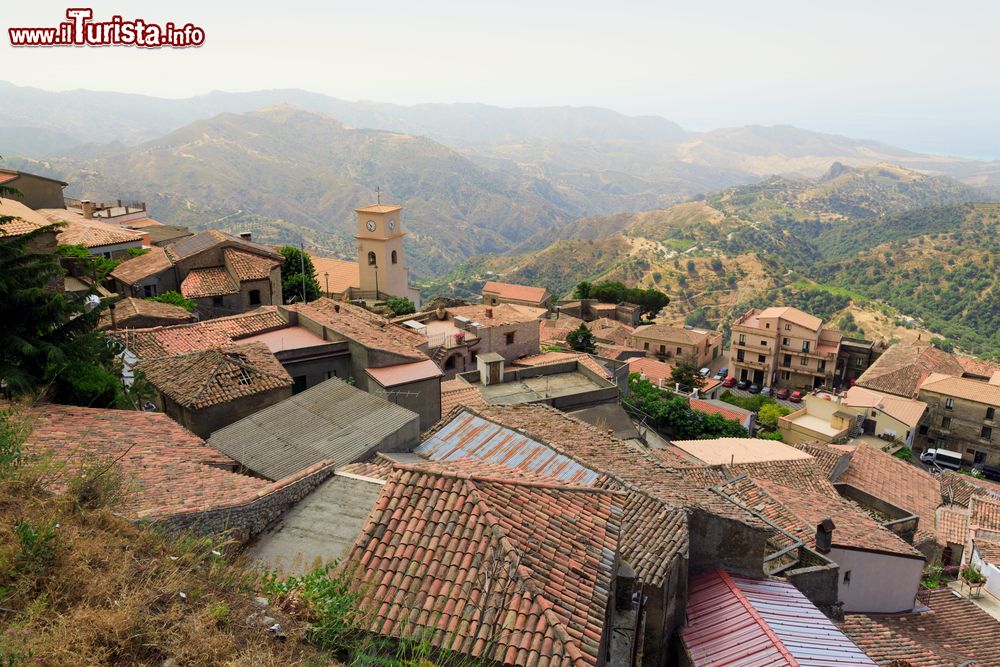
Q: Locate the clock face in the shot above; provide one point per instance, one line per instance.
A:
(392, 225)
(370, 225)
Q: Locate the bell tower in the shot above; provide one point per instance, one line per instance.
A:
(381, 265)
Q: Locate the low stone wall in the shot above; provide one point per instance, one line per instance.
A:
(242, 522)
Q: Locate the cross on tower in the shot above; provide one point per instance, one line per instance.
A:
(378, 194)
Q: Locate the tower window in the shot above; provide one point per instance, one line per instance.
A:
(371, 258)
(255, 297)
(394, 258)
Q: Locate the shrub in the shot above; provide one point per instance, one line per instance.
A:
(769, 414)
(400, 305)
(36, 548)
(904, 454)
(972, 574)
(174, 299)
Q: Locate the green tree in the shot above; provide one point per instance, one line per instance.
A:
(769, 414)
(291, 276)
(174, 299)
(96, 266)
(48, 341)
(400, 305)
(582, 339)
(685, 374)
(582, 290)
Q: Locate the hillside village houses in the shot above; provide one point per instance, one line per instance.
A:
(496, 502)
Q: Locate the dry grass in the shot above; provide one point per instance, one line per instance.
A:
(102, 591)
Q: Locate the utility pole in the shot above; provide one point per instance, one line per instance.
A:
(302, 257)
(326, 274)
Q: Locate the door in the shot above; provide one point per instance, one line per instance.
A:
(743, 374)
(868, 427)
(496, 368)
(758, 377)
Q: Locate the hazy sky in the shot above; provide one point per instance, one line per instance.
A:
(923, 75)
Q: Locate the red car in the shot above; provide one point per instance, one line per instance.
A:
(782, 394)
(729, 382)
(796, 397)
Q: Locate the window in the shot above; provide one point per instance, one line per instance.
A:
(679, 350)
(788, 327)
(763, 342)
(217, 301)
(787, 360)
(255, 297)
(761, 358)
(786, 375)
(784, 341)
(821, 366)
(949, 403)
(804, 361)
(767, 325)
(394, 258)
(986, 433)
(923, 429)
(742, 340)
(298, 384)
(645, 345)
(945, 422)
(847, 577)
(148, 291)
(371, 258)
(874, 414)
(805, 346)
(739, 355)
(509, 337)
(989, 413)
(107, 255)
(663, 349)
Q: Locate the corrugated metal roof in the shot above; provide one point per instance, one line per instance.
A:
(331, 421)
(749, 622)
(468, 435)
(393, 376)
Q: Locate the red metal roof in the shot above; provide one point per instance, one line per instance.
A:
(734, 620)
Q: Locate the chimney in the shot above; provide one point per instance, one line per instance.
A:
(114, 322)
(88, 209)
(336, 307)
(246, 236)
(824, 535)
(489, 313)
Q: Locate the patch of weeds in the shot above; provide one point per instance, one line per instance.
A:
(37, 546)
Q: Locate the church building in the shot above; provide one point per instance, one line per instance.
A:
(381, 270)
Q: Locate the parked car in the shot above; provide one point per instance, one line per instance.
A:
(942, 458)
(766, 391)
(782, 394)
(730, 381)
(704, 372)
(724, 371)
(991, 473)
(718, 376)
(754, 388)
(743, 384)
(796, 397)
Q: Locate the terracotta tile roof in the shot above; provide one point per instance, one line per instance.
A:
(965, 388)
(380, 467)
(903, 367)
(342, 275)
(980, 367)
(93, 234)
(741, 622)
(614, 351)
(807, 474)
(657, 372)
(205, 335)
(171, 469)
(133, 270)
(213, 281)
(906, 410)
(459, 392)
(362, 326)
(827, 457)
(793, 315)
(612, 331)
(516, 292)
(433, 540)
(854, 527)
(26, 220)
(503, 314)
(989, 550)
(249, 266)
(958, 489)
(897, 482)
(7, 176)
(202, 241)
(984, 514)
(131, 312)
(556, 357)
(953, 523)
(557, 329)
(397, 374)
(672, 334)
(378, 208)
(732, 413)
(202, 379)
(953, 632)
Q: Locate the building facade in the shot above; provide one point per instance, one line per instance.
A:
(381, 264)
(963, 416)
(699, 346)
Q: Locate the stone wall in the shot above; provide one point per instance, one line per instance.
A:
(719, 542)
(242, 522)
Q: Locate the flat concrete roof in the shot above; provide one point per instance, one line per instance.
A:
(739, 450)
(527, 390)
(815, 424)
(288, 338)
(320, 528)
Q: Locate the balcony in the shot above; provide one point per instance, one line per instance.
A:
(760, 365)
(803, 370)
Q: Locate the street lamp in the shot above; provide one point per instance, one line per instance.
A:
(326, 274)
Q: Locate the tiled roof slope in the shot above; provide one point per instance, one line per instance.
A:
(92, 234)
(206, 335)
(613, 331)
(133, 270)
(667, 332)
(249, 266)
(516, 292)
(898, 482)
(25, 219)
(363, 326)
(906, 410)
(131, 309)
(508, 571)
(213, 281)
(959, 489)
(192, 245)
(793, 315)
(970, 390)
(172, 471)
(210, 377)
(556, 357)
(806, 474)
(731, 413)
(989, 550)
(459, 392)
(735, 621)
(338, 274)
(827, 458)
(503, 314)
(979, 367)
(953, 523)
(953, 632)
(904, 366)
(984, 513)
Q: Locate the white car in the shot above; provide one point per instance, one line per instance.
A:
(704, 372)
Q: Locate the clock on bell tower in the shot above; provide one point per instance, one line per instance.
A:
(380, 250)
